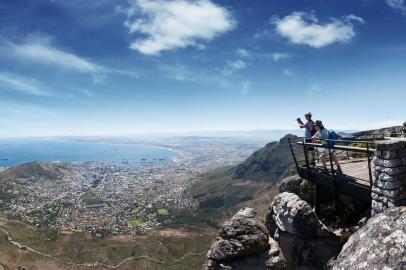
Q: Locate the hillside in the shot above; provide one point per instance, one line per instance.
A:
(251, 183)
(32, 170)
(269, 163)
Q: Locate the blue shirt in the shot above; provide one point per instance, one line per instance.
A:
(309, 128)
(322, 134)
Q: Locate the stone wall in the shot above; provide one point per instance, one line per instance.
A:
(389, 183)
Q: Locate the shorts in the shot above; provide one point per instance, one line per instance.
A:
(308, 140)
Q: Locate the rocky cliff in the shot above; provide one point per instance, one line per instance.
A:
(395, 131)
(378, 244)
(296, 238)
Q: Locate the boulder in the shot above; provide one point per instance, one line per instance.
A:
(295, 216)
(304, 240)
(275, 260)
(379, 244)
(299, 186)
(242, 243)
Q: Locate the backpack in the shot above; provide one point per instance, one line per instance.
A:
(332, 135)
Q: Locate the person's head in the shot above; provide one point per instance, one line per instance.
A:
(308, 116)
(318, 125)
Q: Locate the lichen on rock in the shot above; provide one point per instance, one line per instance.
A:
(299, 186)
(379, 244)
(243, 243)
(304, 240)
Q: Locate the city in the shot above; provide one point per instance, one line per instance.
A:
(107, 199)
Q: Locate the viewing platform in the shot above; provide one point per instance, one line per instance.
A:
(372, 171)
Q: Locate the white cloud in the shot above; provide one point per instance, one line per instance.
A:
(41, 50)
(233, 66)
(245, 87)
(169, 25)
(15, 82)
(304, 28)
(399, 5)
(280, 56)
(288, 72)
(182, 73)
(314, 89)
(243, 53)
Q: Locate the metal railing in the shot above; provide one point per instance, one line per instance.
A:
(353, 156)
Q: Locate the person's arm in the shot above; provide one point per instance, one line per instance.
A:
(302, 126)
(316, 138)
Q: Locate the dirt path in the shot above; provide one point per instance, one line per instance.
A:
(95, 264)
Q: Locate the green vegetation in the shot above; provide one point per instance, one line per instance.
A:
(361, 145)
(162, 212)
(270, 163)
(90, 198)
(136, 222)
(5, 195)
(252, 183)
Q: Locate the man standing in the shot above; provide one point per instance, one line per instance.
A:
(309, 132)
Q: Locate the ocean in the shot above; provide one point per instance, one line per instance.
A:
(17, 151)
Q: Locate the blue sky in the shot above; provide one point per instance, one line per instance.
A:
(112, 67)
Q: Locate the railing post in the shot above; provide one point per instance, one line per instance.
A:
(331, 162)
(305, 153)
(293, 155)
(369, 156)
(333, 178)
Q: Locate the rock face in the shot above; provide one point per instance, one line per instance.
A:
(378, 133)
(270, 163)
(243, 243)
(297, 185)
(379, 244)
(304, 240)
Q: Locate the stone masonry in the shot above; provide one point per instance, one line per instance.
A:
(389, 183)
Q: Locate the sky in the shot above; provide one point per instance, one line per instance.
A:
(120, 67)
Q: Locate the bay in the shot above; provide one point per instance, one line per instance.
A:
(17, 151)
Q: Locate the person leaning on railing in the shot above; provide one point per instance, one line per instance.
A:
(322, 135)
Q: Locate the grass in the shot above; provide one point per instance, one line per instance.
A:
(136, 222)
(162, 212)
